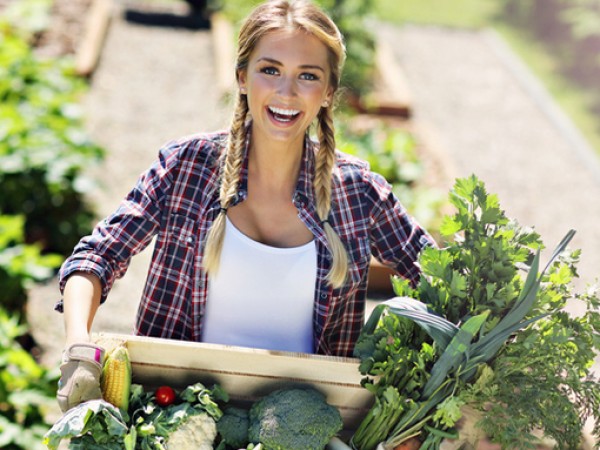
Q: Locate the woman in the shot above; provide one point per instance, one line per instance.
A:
(263, 236)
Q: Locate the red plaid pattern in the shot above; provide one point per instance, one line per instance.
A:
(176, 201)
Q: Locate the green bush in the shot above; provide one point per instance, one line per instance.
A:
(27, 391)
(43, 146)
(350, 16)
(20, 264)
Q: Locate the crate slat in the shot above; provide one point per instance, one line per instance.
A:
(246, 374)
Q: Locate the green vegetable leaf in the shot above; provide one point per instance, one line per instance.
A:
(455, 355)
(448, 412)
(441, 330)
(103, 421)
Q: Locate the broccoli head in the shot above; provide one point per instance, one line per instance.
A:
(233, 427)
(293, 418)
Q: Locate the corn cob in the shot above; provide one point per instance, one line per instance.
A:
(116, 377)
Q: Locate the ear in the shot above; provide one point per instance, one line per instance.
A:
(328, 98)
(241, 79)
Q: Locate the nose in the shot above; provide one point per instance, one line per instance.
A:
(287, 86)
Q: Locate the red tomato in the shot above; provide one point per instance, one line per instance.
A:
(165, 395)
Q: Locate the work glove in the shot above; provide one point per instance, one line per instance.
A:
(80, 375)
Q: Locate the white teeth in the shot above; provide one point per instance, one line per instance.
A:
(284, 112)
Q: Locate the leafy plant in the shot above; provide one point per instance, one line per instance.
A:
(20, 264)
(43, 147)
(32, 16)
(146, 425)
(498, 338)
(351, 18)
(27, 390)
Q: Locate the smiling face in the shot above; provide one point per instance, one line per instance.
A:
(286, 82)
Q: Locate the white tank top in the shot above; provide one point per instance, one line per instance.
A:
(262, 296)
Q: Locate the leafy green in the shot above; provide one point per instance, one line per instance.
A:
(145, 426)
(21, 264)
(153, 424)
(27, 390)
(96, 423)
(44, 149)
(498, 331)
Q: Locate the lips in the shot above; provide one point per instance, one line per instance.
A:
(283, 115)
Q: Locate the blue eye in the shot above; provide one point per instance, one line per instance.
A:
(269, 70)
(309, 77)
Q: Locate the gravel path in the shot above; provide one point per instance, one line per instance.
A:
(488, 116)
(473, 107)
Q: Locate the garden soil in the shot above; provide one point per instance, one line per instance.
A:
(474, 108)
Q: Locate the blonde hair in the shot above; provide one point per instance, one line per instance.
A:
(268, 17)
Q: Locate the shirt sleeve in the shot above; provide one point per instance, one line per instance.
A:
(107, 252)
(396, 237)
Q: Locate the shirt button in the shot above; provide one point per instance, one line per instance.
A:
(189, 240)
(323, 296)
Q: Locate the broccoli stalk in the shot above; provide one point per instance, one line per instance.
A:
(293, 418)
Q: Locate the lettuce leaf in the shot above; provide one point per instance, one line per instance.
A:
(95, 424)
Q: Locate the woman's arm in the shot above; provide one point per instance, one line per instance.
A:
(81, 301)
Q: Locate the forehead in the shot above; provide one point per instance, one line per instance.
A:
(294, 47)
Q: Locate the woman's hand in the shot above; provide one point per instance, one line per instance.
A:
(80, 375)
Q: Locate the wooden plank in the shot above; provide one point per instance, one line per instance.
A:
(97, 21)
(246, 374)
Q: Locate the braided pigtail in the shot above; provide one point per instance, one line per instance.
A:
(323, 173)
(230, 174)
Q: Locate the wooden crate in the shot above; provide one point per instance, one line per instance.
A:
(246, 374)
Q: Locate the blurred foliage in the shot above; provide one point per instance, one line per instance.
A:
(393, 153)
(31, 16)
(351, 17)
(42, 150)
(569, 30)
(570, 27)
(27, 390)
(43, 146)
(455, 13)
(20, 264)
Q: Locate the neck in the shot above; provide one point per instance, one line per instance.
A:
(275, 164)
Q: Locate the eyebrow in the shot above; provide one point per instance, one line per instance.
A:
(279, 63)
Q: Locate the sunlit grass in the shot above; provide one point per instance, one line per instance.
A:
(456, 13)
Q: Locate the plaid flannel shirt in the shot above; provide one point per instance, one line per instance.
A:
(177, 199)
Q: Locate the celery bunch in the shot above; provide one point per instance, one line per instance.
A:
(474, 310)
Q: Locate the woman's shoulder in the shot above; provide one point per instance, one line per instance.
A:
(205, 147)
(354, 169)
(349, 162)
